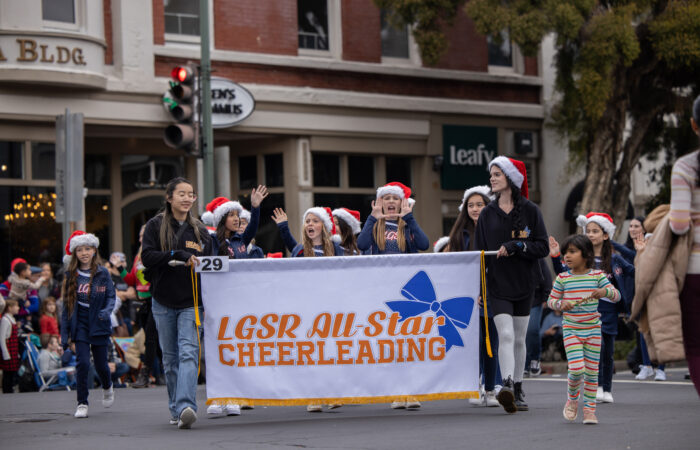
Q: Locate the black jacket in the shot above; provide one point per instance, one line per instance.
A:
(172, 286)
(515, 277)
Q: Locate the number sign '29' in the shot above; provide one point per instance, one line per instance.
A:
(210, 264)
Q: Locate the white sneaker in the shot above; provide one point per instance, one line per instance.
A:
(314, 408)
(232, 410)
(215, 410)
(479, 401)
(173, 420)
(599, 395)
(660, 375)
(607, 397)
(81, 412)
(187, 418)
(491, 399)
(497, 388)
(108, 397)
(412, 404)
(644, 373)
(398, 405)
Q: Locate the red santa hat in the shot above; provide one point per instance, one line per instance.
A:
(224, 208)
(400, 190)
(350, 217)
(602, 219)
(326, 216)
(77, 239)
(208, 215)
(15, 262)
(513, 169)
(440, 244)
(485, 191)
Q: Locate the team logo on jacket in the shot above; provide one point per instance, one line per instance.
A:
(420, 294)
(194, 245)
(522, 234)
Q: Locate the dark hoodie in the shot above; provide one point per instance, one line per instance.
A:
(515, 277)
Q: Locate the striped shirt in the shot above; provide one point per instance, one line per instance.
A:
(569, 287)
(685, 204)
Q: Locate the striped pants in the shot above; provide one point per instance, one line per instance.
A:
(582, 346)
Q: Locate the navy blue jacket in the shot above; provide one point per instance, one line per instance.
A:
(298, 250)
(513, 278)
(240, 240)
(287, 237)
(102, 300)
(625, 251)
(415, 237)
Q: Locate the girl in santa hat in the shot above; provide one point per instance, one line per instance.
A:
(229, 240)
(599, 228)
(254, 252)
(461, 238)
(88, 300)
(392, 228)
(318, 226)
(347, 222)
(513, 226)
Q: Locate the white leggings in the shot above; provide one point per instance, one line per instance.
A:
(511, 345)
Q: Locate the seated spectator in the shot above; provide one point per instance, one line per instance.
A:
(48, 322)
(552, 336)
(50, 287)
(50, 355)
(117, 367)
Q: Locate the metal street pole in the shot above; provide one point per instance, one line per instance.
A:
(205, 95)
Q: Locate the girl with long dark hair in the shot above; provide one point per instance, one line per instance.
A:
(348, 226)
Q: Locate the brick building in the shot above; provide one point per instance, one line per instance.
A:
(343, 104)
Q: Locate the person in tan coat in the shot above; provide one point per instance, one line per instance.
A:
(660, 272)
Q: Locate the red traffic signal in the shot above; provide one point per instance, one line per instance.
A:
(182, 74)
(182, 103)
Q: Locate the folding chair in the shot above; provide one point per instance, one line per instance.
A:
(48, 379)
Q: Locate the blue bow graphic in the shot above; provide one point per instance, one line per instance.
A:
(421, 298)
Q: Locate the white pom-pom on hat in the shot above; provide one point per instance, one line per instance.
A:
(483, 190)
(440, 244)
(223, 209)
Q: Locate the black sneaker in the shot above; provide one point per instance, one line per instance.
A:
(506, 397)
(520, 397)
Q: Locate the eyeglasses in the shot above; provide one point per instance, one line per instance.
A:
(183, 195)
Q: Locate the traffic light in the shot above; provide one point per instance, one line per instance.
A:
(182, 102)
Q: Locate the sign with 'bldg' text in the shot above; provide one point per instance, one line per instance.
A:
(467, 151)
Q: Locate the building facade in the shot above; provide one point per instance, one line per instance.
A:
(343, 105)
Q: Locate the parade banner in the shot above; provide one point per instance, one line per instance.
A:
(342, 330)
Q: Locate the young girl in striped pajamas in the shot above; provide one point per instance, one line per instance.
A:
(576, 292)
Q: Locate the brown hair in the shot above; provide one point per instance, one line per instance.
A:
(8, 303)
(167, 235)
(222, 233)
(42, 309)
(328, 248)
(464, 222)
(347, 239)
(379, 234)
(70, 282)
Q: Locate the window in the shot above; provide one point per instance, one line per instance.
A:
(394, 40)
(274, 170)
(247, 172)
(398, 168)
(500, 54)
(145, 172)
(97, 173)
(43, 161)
(358, 202)
(182, 17)
(312, 16)
(326, 169)
(58, 10)
(361, 171)
(97, 214)
(11, 159)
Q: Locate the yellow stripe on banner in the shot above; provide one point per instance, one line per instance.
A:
(483, 300)
(340, 400)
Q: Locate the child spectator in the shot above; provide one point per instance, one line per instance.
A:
(48, 323)
(50, 355)
(9, 344)
(20, 283)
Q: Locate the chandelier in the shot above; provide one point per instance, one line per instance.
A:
(33, 207)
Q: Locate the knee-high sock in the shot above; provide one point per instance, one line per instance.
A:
(520, 324)
(506, 336)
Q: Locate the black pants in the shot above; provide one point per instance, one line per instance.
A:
(606, 362)
(99, 355)
(151, 343)
(8, 381)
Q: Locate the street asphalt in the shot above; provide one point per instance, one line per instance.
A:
(645, 415)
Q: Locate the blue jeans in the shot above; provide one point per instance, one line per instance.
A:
(532, 339)
(179, 340)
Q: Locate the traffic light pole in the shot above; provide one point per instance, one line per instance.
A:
(205, 96)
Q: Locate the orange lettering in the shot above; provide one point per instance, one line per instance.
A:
(436, 348)
(373, 321)
(229, 347)
(285, 349)
(265, 351)
(286, 328)
(393, 324)
(240, 333)
(365, 351)
(344, 348)
(223, 325)
(385, 343)
(242, 354)
(322, 361)
(430, 321)
(399, 345)
(321, 329)
(415, 350)
(349, 323)
(305, 349)
(265, 322)
(411, 326)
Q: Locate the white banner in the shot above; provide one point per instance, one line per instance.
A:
(343, 329)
